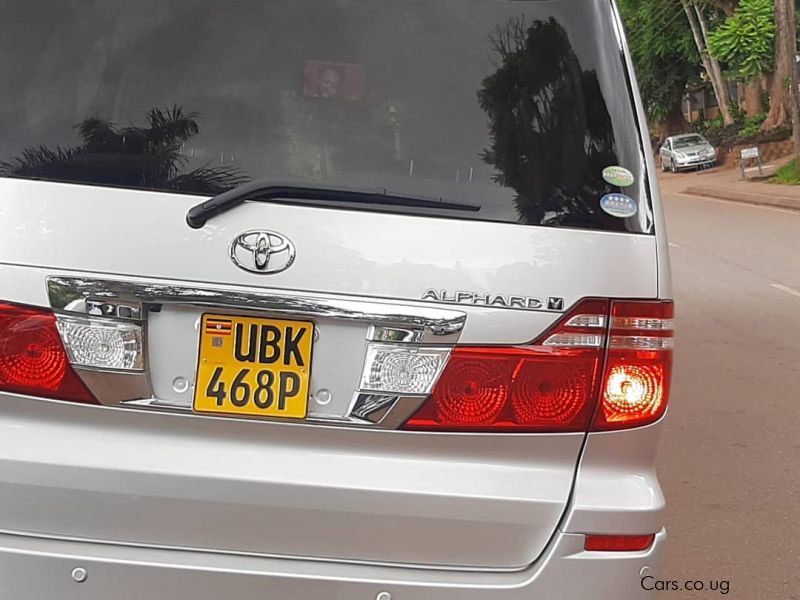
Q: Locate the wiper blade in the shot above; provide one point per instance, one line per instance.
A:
(271, 191)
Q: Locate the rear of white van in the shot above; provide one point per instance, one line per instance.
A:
(332, 299)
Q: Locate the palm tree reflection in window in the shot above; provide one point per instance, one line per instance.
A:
(550, 129)
(138, 157)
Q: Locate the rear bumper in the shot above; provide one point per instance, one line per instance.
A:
(133, 477)
(695, 164)
(136, 500)
(33, 568)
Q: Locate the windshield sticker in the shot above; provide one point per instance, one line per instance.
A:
(619, 176)
(619, 205)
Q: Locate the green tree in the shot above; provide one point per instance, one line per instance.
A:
(148, 157)
(551, 132)
(745, 39)
(665, 58)
(698, 24)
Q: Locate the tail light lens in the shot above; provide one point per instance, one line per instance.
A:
(403, 369)
(102, 344)
(547, 386)
(32, 357)
(638, 366)
(553, 385)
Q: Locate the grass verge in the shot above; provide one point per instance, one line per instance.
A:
(788, 174)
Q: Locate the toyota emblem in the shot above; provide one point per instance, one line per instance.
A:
(262, 252)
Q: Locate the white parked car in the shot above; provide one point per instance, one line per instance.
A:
(687, 151)
(328, 299)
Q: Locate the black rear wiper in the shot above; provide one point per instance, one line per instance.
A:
(270, 191)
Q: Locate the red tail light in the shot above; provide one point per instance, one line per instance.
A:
(553, 384)
(638, 365)
(618, 543)
(32, 358)
(547, 386)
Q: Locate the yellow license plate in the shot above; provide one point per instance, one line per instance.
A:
(258, 367)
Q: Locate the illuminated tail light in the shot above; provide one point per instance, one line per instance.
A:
(618, 543)
(638, 366)
(553, 384)
(32, 357)
(547, 386)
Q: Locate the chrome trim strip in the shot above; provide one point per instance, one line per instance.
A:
(70, 294)
(371, 407)
(391, 415)
(383, 333)
(165, 405)
(114, 387)
(396, 323)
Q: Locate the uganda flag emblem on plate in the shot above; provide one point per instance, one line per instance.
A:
(218, 327)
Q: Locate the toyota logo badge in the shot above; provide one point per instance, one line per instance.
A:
(262, 252)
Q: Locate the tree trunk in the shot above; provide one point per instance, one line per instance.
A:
(791, 50)
(753, 99)
(721, 87)
(716, 79)
(675, 122)
(779, 97)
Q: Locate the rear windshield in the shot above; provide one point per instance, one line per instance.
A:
(689, 140)
(518, 106)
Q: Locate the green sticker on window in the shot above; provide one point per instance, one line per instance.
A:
(619, 176)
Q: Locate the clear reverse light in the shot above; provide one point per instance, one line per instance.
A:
(102, 344)
(402, 369)
(575, 340)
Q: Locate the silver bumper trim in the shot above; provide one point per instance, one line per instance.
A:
(132, 300)
(125, 299)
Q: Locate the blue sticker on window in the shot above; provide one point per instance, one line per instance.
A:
(619, 205)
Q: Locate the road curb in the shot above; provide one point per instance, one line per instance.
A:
(745, 197)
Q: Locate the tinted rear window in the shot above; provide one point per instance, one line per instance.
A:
(689, 140)
(516, 106)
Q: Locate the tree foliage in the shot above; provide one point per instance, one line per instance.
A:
(149, 157)
(745, 39)
(663, 51)
(551, 133)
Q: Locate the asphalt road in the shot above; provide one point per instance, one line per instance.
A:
(730, 452)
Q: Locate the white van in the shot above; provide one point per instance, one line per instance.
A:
(354, 299)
